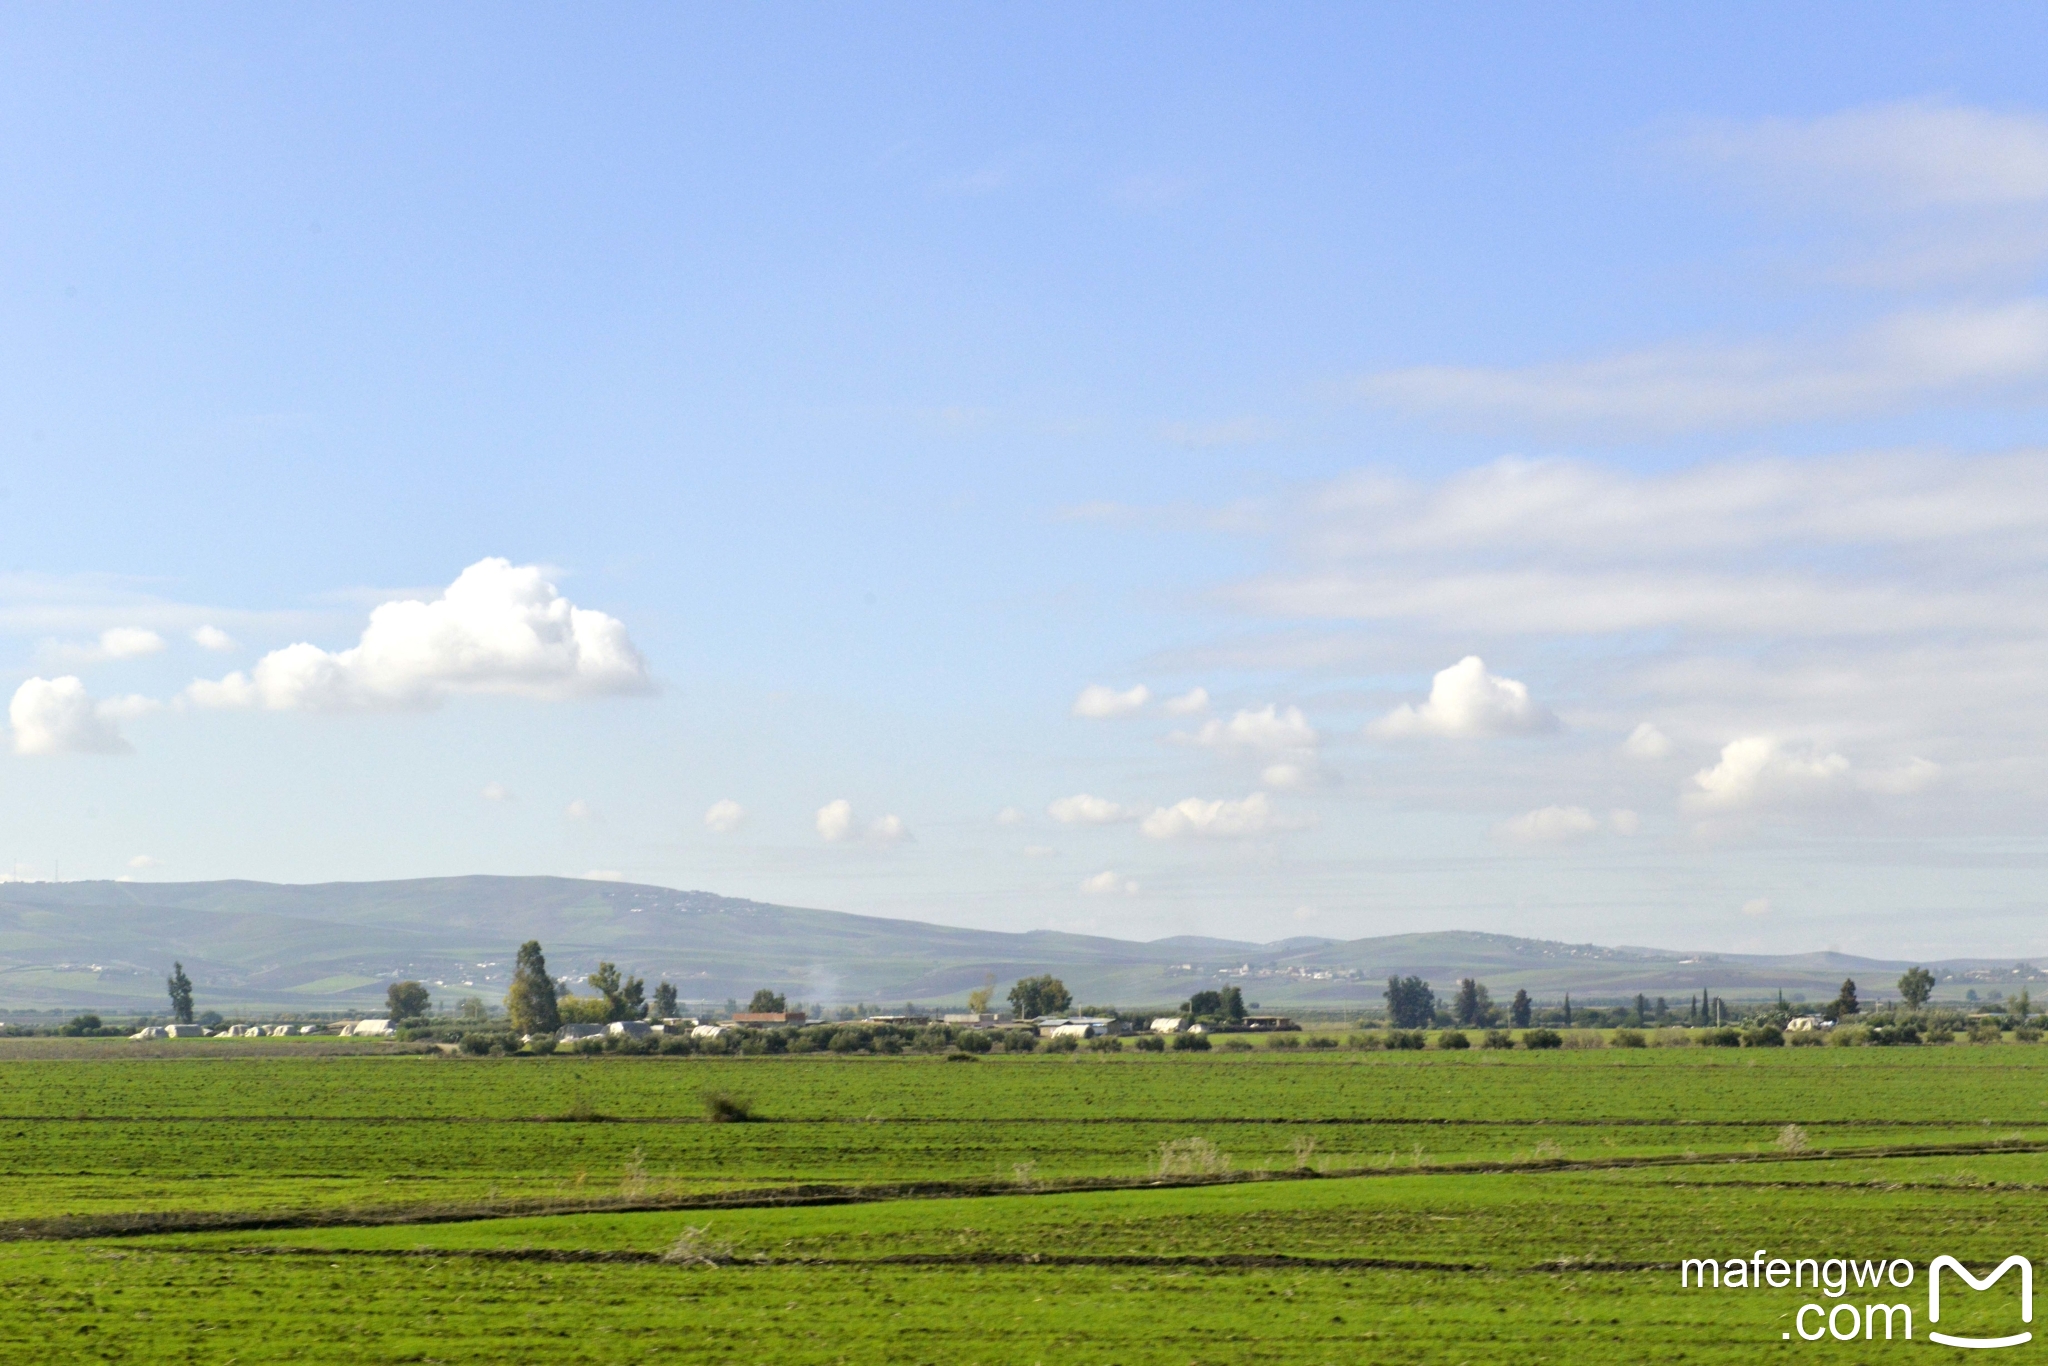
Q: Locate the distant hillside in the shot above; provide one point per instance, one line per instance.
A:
(329, 946)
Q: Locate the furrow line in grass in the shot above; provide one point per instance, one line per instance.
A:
(690, 1261)
(982, 1121)
(66, 1228)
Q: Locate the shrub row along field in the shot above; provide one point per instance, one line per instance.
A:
(1602, 1170)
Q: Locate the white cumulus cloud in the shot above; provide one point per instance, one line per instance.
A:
(1082, 809)
(58, 716)
(578, 810)
(209, 637)
(497, 792)
(1757, 769)
(1467, 701)
(1108, 883)
(499, 628)
(1647, 742)
(1011, 815)
(1099, 702)
(1193, 702)
(837, 824)
(1222, 819)
(1552, 825)
(725, 816)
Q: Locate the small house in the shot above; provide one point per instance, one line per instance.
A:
(769, 1017)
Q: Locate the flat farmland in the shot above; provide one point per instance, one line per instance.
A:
(327, 1206)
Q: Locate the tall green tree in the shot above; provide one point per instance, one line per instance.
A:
(1844, 1004)
(767, 1002)
(1523, 1008)
(1041, 995)
(1410, 1002)
(624, 997)
(531, 1001)
(1474, 1007)
(665, 1002)
(181, 994)
(406, 1000)
(1916, 986)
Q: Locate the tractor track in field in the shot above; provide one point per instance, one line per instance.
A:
(147, 1222)
(1202, 1261)
(982, 1121)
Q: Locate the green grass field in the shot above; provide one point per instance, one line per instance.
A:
(327, 1205)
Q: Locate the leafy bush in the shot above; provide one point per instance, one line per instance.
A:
(1805, 1038)
(1410, 1039)
(1066, 1043)
(1763, 1036)
(1322, 1041)
(1106, 1043)
(1365, 1043)
(1151, 1043)
(1584, 1038)
(1191, 1043)
(1497, 1038)
(723, 1107)
(678, 1044)
(1453, 1039)
(542, 1046)
(1630, 1038)
(1893, 1035)
(1725, 1037)
(1543, 1038)
(1284, 1041)
(1672, 1038)
(973, 1041)
(2026, 1034)
(1233, 1044)
(1986, 1031)
(477, 1044)
(962, 1057)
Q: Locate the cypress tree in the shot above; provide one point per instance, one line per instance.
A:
(181, 994)
(531, 1001)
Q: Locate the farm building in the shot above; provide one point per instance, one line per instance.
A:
(363, 1029)
(184, 1031)
(1806, 1024)
(1167, 1024)
(1269, 1024)
(769, 1017)
(150, 1032)
(1076, 1026)
(984, 1020)
(572, 1032)
(632, 1029)
(708, 1031)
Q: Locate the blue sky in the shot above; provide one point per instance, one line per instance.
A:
(875, 380)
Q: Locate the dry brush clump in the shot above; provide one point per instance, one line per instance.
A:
(694, 1246)
(1192, 1157)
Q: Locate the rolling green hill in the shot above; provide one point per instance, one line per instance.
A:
(333, 946)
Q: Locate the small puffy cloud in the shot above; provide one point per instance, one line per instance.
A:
(1193, 702)
(1254, 815)
(1284, 740)
(1082, 809)
(1759, 906)
(212, 638)
(1647, 742)
(578, 810)
(143, 862)
(1552, 825)
(497, 792)
(129, 642)
(58, 716)
(1108, 883)
(1098, 702)
(1756, 770)
(1466, 701)
(837, 824)
(1011, 815)
(725, 816)
(1624, 822)
(499, 628)
(1265, 731)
